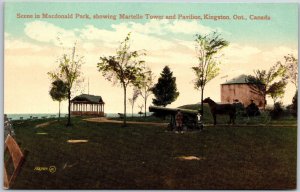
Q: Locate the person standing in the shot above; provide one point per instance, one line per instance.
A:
(199, 120)
(179, 120)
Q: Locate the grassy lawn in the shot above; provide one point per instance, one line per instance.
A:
(149, 118)
(146, 157)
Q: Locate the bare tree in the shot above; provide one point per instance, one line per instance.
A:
(291, 64)
(146, 87)
(132, 100)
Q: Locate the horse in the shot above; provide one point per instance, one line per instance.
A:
(221, 109)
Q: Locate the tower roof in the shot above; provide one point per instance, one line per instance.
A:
(242, 79)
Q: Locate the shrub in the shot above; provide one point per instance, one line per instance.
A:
(294, 104)
(277, 111)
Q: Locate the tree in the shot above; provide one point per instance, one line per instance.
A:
(125, 68)
(207, 47)
(264, 80)
(58, 92)
(277, 110)
(132, 100)
(165, 90)
(69, 72)
(276, 90)
(291, 65)
(146, 87)
(295, 104)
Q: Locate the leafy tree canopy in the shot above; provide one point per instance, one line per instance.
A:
(59, 91)
(69, 71)
(269, 82)
(207, 48)
(124, 69)
(276, 90)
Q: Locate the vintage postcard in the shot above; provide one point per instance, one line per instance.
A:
(185, 95)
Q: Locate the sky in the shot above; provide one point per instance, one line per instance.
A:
(33, 45)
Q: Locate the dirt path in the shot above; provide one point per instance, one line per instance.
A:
(105, 120)
(44, 124)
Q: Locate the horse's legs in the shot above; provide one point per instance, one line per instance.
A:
(231, 118)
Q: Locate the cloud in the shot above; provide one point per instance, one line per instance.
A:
(153, 32)
(186, 27)
(112, 38)
(187, 44)
(93, 42)
(15, 44)
(151, 27)
(18, 46)
(277, 54)
(239, 53)
(90, 32)
(164, 27)
(239, 59)
(47, 32)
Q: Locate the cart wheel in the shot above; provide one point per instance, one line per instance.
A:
(242, 118)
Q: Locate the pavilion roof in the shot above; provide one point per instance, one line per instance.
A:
(88, 98)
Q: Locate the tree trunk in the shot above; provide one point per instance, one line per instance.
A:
(264, 94)
(202, 92)
(202, 110)
(69, 108)
(124, 121)
(145, 107)
(265, 103)
(132, 110)
(59, 111)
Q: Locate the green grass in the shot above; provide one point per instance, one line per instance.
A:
(150, 118)
(144, 157)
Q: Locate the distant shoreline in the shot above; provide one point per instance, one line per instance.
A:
(24, 116)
